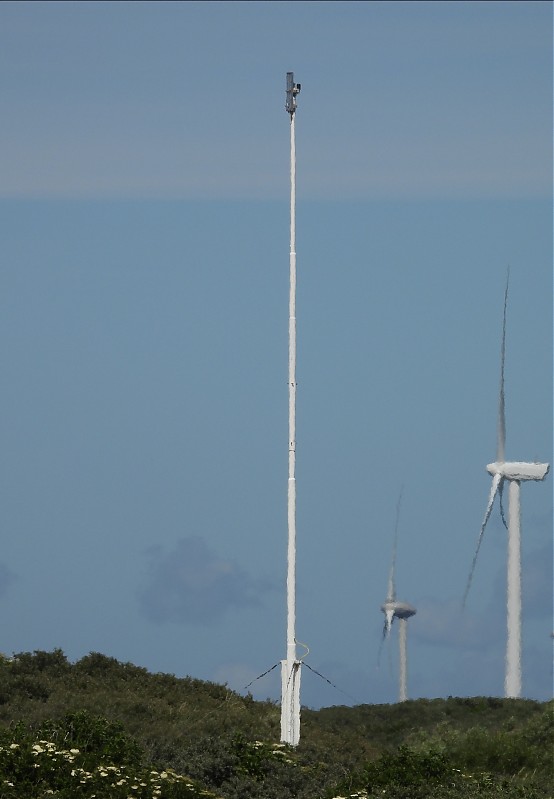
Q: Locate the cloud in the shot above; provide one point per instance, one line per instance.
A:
(193, 585)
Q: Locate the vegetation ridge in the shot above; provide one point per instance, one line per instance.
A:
(100, 728)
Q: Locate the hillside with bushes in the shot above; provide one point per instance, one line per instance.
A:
(100, 728)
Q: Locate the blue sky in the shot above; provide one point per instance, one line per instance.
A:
(144, 320)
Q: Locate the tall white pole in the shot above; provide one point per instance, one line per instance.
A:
(290, 668)
(512, 683)
(291, 573)
(403, 681)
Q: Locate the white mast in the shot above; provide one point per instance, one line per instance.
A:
(290, 668)
(403, 679)
(512, 680)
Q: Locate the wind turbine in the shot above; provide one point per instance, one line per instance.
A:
(515, 472)
(290, 668)
(397, 610)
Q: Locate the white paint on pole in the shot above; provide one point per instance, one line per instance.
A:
(512, 683)
(290, 668)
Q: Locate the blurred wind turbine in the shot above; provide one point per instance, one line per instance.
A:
(515, 472)
(397, 610)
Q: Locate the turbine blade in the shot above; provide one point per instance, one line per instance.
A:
(387, 626)
(501, 432)
(389, 618)
(391, 591)
(494, 488)
(386, 633)
(500, 497)
(384, 638)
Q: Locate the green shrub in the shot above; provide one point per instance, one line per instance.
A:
(83, 756)
(410, 771)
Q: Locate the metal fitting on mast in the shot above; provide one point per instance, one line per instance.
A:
(292, 90)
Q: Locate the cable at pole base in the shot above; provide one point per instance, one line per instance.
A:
(260, 677)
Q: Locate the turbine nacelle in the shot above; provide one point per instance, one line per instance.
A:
(518, 470)
(400, 610)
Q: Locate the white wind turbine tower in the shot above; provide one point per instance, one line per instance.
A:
(515, 472)
(398, 610)
(290, 668)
